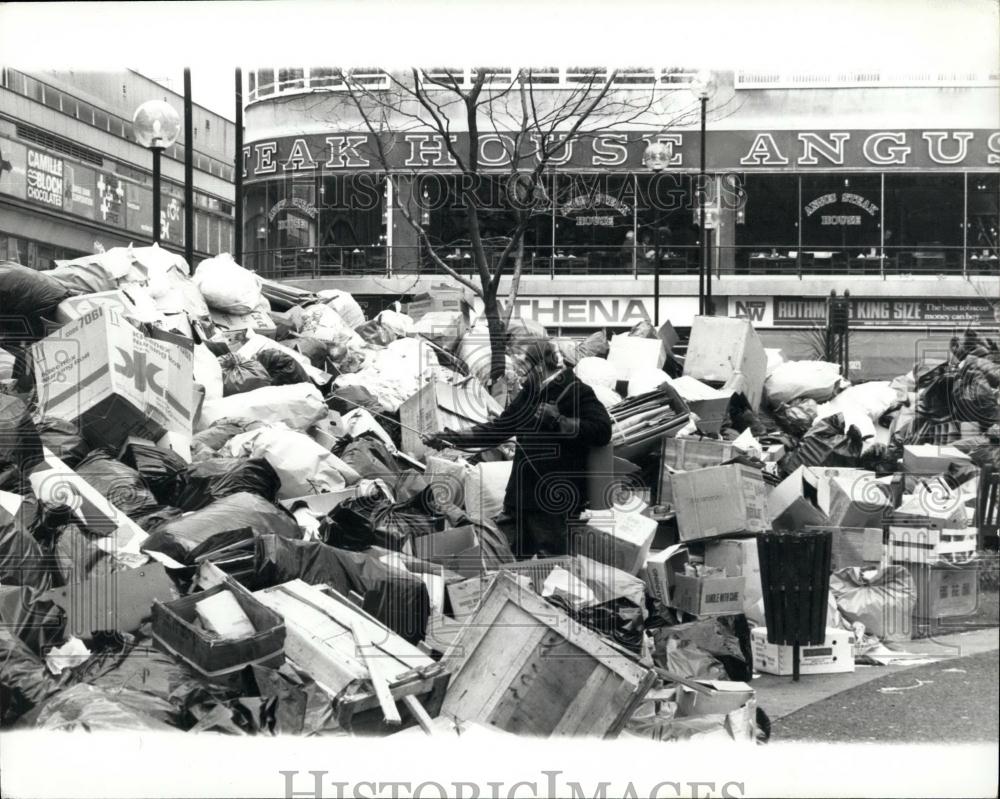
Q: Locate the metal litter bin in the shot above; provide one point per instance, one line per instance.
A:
(795, 578)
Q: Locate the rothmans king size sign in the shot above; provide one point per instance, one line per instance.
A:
(728, 150)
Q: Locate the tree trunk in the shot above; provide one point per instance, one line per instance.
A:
(498, 336)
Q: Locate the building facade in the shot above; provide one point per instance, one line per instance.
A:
(887, 185)
(73, 178)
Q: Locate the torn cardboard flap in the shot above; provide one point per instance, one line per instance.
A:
(794, 503)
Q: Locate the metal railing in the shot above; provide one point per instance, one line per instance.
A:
(629, 261)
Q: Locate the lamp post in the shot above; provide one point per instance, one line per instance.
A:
(703, 87)
(656, 157)
(156, 126)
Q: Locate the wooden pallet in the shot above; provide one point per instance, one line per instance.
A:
(322, 633)
(523, 666)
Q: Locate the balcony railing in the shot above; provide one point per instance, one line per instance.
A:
(630, 261)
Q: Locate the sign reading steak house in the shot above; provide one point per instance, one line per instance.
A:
(726, 150)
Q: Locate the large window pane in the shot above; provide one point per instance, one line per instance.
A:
(768, 229)
(594, 223)
(923, 222)
(667, 211)
(984, 223)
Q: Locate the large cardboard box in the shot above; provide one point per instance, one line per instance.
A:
(855, 546)
(710, 405)
(721, 350)
(834, 656)
(794, 502)
(142, 308)
(443, 297)
(944, 590)
(629, 353)
(711, 595)
(719, 501)
(854, 499)
(685, 454)
(618, 538)
(103, 374)
(939, 510)
(928, 544)
(931, 459)
(440, 405)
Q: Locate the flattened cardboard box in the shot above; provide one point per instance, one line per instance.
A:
(834, 656)
(102, 373)
(719, 501)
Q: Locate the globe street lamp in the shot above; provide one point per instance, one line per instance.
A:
(656, 158)
(156, 126)
(702, 87)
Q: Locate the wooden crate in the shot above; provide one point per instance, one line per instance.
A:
(525, 667)
(319, 641)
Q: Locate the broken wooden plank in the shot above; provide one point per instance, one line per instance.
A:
(417, 711)
(375, 675)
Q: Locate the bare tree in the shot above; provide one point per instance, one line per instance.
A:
(536, 127)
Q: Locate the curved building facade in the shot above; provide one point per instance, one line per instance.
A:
(887, 185)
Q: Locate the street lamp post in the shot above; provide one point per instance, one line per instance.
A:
(656, 158)
(703, 87)
(156, 127)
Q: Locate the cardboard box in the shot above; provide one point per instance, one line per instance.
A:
(74, 308)
(794, 503)
(102, 374)
(685, 454)
(724, 698)
(443, 297)
(721, 349)
(711, 405)
(464, 596)
(440, 405)
(628, 353)
(855, 546)
(714, 595)
(928, 545)
(835, 656)
(456, 549)
(933, 509)
(854, 500)
(931, 459)
(944, 590)
(618, 538)
(258, 320)
(719, 501)
(738, 558)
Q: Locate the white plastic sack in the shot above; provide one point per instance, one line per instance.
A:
(485, 486)
(608, 397)
(297, 406)
(774, 359)
(881, 599)
(596, 372)
(207, 372)
(359, 421)
(792, 380)
(345, 305)
(93, 274)
(302, 465)
(872, 399)
(324, 323)
(227, 286)
(414, 352)
(642, 381)
(399, 323)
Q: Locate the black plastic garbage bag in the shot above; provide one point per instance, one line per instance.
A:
(316, 350)
(242, 374)
(370, 458)
(76, 554)
(208, 442)
(39, 623)
(24, 680)
(282, 367)
(796, 417)
(160, 468)
(344, 400)
(374, 333)
(87, 708)
(20, 444)
(357, 524)
(22, 560)
(121, 485)
(243, 510)
(63, 439)
(826, 444)
(204, 482)
(27, 298)
(975, 392)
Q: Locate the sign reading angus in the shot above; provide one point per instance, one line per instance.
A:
(726, 150)
(882, 312)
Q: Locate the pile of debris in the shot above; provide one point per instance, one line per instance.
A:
(217, 512)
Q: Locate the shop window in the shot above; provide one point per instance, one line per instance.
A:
(984, 223)
(594, 223)
(923, 222)
(666, 210)
(350, 213)
(322, 77)
(265, 82)
(201, 232)
(291, 79)
(100, 120)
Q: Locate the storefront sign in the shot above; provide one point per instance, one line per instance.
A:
(45, 178)
(80, 195)
(759, 310)
(891, 312)
(613, 312)
(726, 150)
(13, 168)
(139, 209)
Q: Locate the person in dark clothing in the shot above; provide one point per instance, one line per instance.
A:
(557, 420)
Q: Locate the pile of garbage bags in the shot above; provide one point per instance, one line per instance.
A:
(253, 438)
